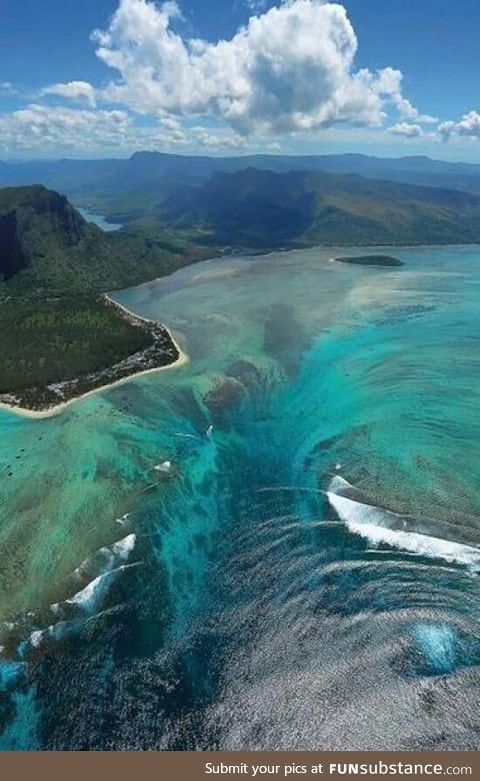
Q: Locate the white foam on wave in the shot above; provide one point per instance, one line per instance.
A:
(124, 547)
(165, 466)
(59, 631)
(108, 560)
(372, 523)
(89, 598)
(109, 557)
(36, 638)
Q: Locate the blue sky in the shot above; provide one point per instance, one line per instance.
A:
(302, 76)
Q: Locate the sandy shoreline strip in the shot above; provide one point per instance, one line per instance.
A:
(182, 359)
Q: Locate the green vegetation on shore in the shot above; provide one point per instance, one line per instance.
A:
(56, 340)
(64, 348)
(60, 337)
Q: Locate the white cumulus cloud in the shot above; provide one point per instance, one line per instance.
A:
(80, 91)
(55, 129)
(289, 69)
(467, 127)
(39, 130)
(407, 129)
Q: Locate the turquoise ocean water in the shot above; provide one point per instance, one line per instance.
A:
(304, 572)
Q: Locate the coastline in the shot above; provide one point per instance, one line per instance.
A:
(182, 360)
(183, 357)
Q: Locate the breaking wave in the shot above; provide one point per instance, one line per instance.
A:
(98, 573)
(380, 526)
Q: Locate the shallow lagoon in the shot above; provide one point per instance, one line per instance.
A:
(233, 603)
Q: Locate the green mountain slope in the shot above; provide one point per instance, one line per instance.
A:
(47, 247)
(300, 208)
(60, 337)
(128, 188)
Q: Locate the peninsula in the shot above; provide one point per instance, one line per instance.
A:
(62, 336)
(157, 350)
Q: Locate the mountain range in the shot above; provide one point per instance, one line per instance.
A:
(170, 205)
(262, 209)
(48, 248)
(146, 178)
(174, 210)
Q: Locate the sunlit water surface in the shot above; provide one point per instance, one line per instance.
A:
(304, 574)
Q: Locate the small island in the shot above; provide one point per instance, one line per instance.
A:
(71, 348)
(371, 260)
